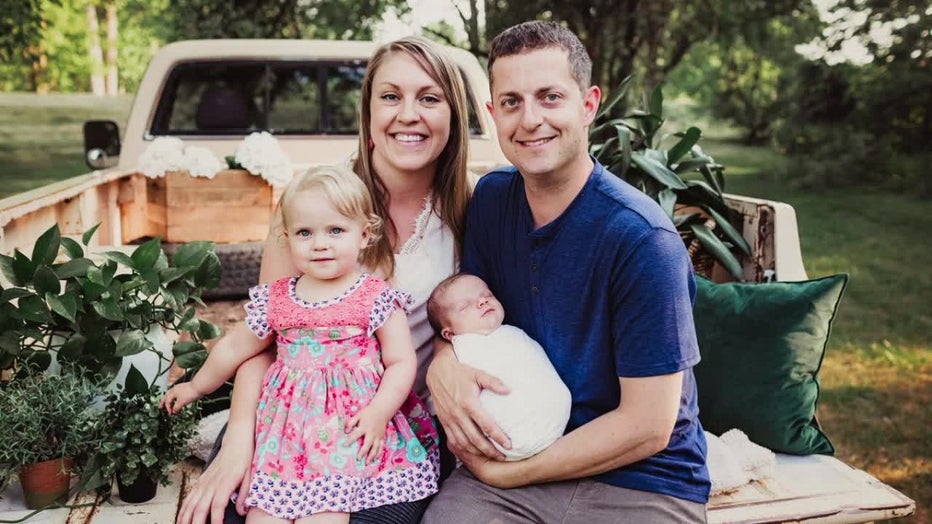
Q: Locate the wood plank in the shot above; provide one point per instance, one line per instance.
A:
(220, 224)
(812, 488)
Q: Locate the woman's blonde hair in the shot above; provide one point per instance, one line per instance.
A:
(450, 189)
(347, 193)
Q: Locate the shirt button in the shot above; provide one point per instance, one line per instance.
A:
(535, 290)
(533, 266)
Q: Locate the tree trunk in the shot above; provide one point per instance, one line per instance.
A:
(95, 52)
(113, 79)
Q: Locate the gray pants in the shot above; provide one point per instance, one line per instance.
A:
(466, 500)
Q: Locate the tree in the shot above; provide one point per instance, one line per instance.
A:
(327, 19)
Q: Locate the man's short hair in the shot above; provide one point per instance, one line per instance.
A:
(534, 35)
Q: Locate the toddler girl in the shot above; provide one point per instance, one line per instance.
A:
(338, 428)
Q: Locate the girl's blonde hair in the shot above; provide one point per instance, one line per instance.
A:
(450, 189)
(347, 193)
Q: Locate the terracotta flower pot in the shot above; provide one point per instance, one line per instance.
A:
(46, 482)
(140, 490)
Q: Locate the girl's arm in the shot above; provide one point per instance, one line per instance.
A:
(236, 347)
(400, 367)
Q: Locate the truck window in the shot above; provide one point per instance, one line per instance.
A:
(282, 97)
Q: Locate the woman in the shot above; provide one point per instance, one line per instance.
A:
(413, 146)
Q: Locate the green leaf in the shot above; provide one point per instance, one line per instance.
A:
(733, 235)
(101, 346)
(667, 200)
(131, 342)
(76, 267)
(207, 330)
(191, 360)
(86, 237)
(690, 137)
(64, 305)
(136, 383)
(120, 258)
(108, 269)
(691, 164)
(10, 342)
(46, 281)
(6, 267)
(73, 348)
(151, 277)
(96, 276)
(208, 273)
(108, 308)
(192, 254)
(656, 102)
(174, 273)
(45, 250)
(617, 96)
(146, 254)
(23, 269)
(188, 322)
(657, 171)
(33, 309)
(13, 293)
(37, 361)
(185, 347)
(718, 249)
(71, 247)
(92, 291)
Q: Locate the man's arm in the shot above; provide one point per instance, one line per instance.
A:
(639, 427)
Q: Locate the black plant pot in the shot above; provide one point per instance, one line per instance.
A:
(140, 490)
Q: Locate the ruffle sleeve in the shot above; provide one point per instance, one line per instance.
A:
(257, 311)
(385, 304)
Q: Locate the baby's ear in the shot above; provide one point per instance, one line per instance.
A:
(446, 334)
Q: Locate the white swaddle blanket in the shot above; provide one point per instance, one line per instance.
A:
(536, 411)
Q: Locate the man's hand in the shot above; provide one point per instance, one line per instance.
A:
(223, 476)
(455, 388)
(496, 473)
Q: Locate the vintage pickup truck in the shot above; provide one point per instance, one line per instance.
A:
(212, 94)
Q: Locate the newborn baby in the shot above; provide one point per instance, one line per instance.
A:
(535, 412)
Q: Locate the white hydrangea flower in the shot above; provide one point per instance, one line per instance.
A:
(164, 154)
(261, 154)
(201, 162)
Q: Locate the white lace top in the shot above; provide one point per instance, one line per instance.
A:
(423, 261)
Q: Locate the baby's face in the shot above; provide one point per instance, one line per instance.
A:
(470, 307)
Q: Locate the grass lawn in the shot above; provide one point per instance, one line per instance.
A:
(876, 402)
(40, 136)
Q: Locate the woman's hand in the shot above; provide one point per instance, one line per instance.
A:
(228, 471)
(455, 388)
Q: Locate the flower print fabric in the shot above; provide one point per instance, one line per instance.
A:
(328, 368)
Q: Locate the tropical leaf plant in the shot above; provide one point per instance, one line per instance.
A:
(685, 180)
(90, 311)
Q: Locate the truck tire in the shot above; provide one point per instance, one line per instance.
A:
(239, 269)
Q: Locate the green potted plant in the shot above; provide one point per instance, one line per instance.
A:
(138, 442)
(686, 181)
(91, 311)
(48, 425)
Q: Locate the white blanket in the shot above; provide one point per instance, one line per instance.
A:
(734, 461)
(536, 411)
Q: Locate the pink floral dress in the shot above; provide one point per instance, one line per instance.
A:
(328, 368)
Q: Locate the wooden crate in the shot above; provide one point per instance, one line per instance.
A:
(234, 206)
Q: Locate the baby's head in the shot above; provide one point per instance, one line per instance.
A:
(463, 304)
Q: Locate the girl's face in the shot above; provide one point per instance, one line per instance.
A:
(410, 117)
(324, 243)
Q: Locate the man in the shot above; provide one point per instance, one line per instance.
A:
(593, 270)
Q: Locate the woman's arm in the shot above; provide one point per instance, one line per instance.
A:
(454, 389)
(276, 260)
(230, 467)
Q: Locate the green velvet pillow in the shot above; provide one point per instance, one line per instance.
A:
(762, 346)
